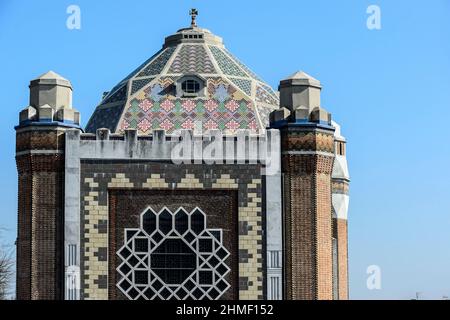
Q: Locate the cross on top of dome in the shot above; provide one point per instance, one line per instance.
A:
(194, 13)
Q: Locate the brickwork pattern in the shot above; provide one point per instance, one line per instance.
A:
(250, 239)
(99, 177)
(40, 215)
(40, 140)
(299, 260)
(308, 141)
(23, 264)
(324, 235)
(341, 235)
(95, 266)
(308, 217)
(342, 231)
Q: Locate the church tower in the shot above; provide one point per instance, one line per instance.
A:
(40, 165)
(307, 139)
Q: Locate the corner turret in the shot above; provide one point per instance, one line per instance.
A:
(50, 102)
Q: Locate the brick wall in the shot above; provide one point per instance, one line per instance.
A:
(341, 235)
(324, 231)
(40, 215)
(307, 165)
(342, 231)
(220, 207)
(23, 245)
(100, 178)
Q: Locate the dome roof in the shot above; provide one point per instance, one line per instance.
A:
(230, 95)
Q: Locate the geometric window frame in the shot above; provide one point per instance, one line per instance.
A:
(140, 280)
(199, 92)
(190, 86)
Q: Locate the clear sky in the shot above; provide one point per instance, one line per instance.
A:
(389, 88)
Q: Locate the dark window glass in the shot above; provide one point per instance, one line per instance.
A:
(133, 293)
(149, 222)
(141, 277)
(165, 221)
(125, 269)
(197, 222)
(141, 245)
(205, 245)
(125, 285)
(205, 277)
(173, 261)
(181, 221)
(131, 233)
(190, 86)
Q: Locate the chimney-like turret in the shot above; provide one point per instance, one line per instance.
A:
(307, 137)
(40, 158)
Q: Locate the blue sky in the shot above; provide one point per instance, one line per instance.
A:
(389, 88)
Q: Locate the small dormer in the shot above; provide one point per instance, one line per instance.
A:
(191, 86)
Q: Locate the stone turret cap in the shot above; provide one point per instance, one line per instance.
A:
(46, 113)
(279, 115)
(27, 114)
(52, 89)
(301, 113)
(51, 78)
(51, 75)
(320, 115)
(301, 78)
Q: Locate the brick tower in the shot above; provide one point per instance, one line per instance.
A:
(307, 138)
(40, 165)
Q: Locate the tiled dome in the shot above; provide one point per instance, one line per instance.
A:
(226, 94)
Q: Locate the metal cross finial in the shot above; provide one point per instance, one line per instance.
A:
(194, 14)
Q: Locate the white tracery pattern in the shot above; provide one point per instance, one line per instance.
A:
(173, 256)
